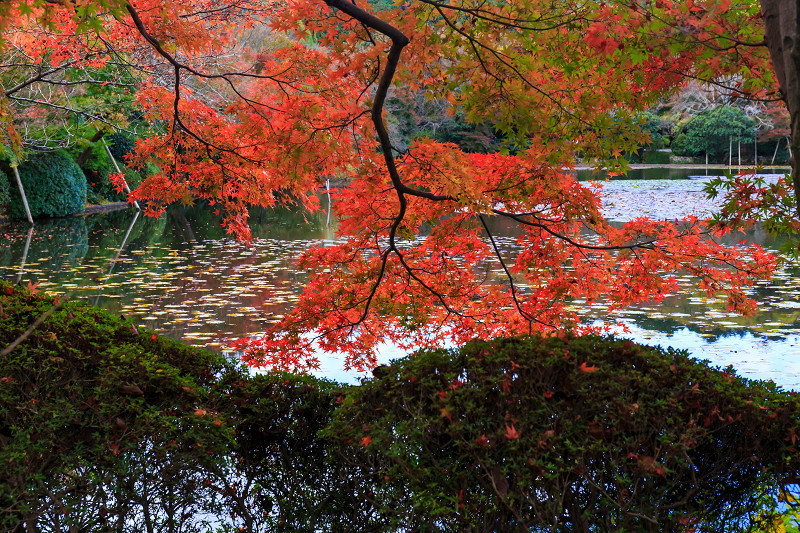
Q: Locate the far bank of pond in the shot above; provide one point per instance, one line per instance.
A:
(181, 275)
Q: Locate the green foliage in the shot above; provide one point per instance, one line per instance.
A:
(87, 400)
(54, 186)
(655, 158)
(121, 145)
(5, 192)
(104, 426)
(580, 434)
(98, 169)
(711, 132)
(651, 123)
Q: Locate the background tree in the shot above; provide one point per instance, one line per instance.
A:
(715, 132)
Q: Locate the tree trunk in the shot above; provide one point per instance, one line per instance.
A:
(81, 160)
(781, 35)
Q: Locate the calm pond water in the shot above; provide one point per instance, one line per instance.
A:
(181, 276)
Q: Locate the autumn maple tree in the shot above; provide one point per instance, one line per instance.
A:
(423, 256)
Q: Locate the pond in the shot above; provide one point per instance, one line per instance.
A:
(183, 277)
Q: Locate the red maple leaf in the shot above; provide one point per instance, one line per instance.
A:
(511, 432)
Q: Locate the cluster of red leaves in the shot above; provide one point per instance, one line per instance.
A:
(417, 263)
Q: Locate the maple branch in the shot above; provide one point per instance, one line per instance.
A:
(513, 216)
(530, 318)
(502, 59)
(63, 108)
(39, 77)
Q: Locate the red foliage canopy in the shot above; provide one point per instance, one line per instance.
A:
(417, 262)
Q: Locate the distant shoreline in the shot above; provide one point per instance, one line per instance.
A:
(698, 166)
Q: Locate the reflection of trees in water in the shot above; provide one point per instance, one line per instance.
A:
(107, 232)
(180, 285)
(55, 244)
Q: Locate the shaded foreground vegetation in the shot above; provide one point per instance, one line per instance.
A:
(107, 427)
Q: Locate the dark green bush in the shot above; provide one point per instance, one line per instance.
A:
(121, 145)
(54, 186)
(712, 131)
(96, 413)
(575, 435)
(104, 426)
(5, 192)
(98, 170)
(655, 158)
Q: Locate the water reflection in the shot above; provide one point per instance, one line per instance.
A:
(181, 275)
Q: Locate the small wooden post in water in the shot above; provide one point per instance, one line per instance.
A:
(25, 255)
(730, 151)
(22, 193)
(108, 151)
(755, 150)
(328, 190)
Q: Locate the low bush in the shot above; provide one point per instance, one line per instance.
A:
(95, 417)
(54, 186)
(105, 426)
(580, 434)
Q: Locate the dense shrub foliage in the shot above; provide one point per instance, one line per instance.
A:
(580, 434)
(104, 426)
(99, 167)
(5, 193)
(96, 417)
(54, 186)
(121, 145)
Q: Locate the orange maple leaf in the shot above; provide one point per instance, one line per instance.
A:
(365, 441)
(585, 367)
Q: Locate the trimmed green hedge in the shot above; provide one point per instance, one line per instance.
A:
(105, 426)
(54, 186)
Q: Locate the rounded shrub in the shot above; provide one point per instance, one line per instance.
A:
(103, 423)
(575, 435)
(54, 185)
(94, 414)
